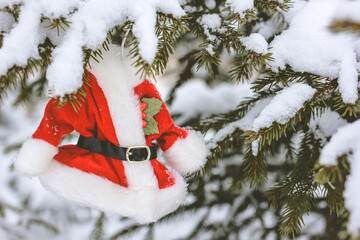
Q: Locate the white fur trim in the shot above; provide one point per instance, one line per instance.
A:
(144, 204)
(34, 157)
(117, 78)
(187, 155)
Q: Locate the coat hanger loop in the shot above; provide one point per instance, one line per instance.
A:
(123, 44)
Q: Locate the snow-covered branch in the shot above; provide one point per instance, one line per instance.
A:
(91, 20)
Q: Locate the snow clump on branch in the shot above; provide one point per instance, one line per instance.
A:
(346, 140)
(284, 105)
(255, 42)
(240, 6)
(309, 45)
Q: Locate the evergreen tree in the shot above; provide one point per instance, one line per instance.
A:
(267, 178)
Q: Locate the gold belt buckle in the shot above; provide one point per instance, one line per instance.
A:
(128, 154)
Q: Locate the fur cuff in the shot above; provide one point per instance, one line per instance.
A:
(34, 157)
(187, 155)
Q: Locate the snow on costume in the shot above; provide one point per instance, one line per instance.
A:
(144, 191)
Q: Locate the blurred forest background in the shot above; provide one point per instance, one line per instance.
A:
(268, 83)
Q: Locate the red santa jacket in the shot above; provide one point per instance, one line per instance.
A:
(93, 120)
(111, 112)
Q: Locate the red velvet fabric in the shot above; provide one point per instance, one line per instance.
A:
(93, 119)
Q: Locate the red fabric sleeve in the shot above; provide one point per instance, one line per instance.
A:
(56, 122)
(170, 136)
(169, 133)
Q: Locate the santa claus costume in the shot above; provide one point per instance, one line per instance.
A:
(144, 191)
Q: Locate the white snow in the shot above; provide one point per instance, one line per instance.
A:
(190, 9)
(348, 77)
(210, 49)
(296, 6)
(6, 22)
(255, 147)
(56, 9)
(210, 4)
(90, 26)
(309, 46)
(267, 29)
(4, 3)
(347, 140)
(348, 11)
(240, 6)
(210, 22)
(273, 26)
(327, 124)
(64, 74)
(56, 36)
(255, 42)
(22, 42)
(352, 192)
(144, 29)
(284, 105)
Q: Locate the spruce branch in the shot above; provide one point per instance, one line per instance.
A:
(292, 219)
(219, 121)
(247, 63)
(269, 79)
(168, 30)
(333, 174)
(208, 60)
(301, 119)
(341, 25)
(254, 168)
(13, 10)
(333, 180)
(75, 99)
(57, 23)
(45, 224)
(273, 5)
(98, 231)
(298, 192)
(335, 199)
(18, 74)
(28, 90)
(130, 230)
(2, 211)
(228, 143)
(237, 19)
(346, 110)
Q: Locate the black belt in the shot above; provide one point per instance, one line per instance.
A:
(130, 154)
